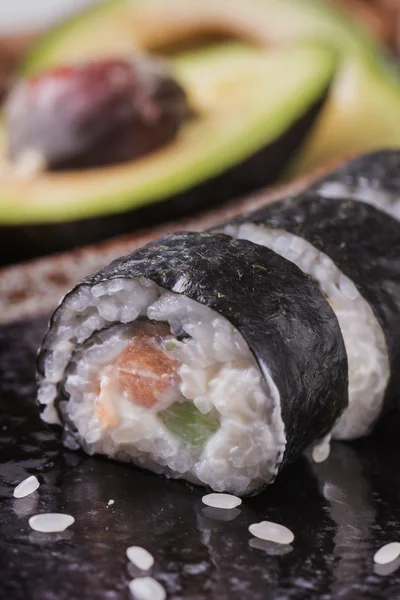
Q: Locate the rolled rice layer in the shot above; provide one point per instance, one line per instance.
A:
(259, 371)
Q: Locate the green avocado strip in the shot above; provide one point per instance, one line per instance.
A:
(185, 421)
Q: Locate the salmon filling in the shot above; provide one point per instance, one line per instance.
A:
(145, 375)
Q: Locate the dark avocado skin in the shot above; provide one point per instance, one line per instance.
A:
(287, 323)
(22, 242)
(363, 242)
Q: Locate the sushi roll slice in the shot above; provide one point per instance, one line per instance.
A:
(373, 178)
(351, 250)
(199, 357)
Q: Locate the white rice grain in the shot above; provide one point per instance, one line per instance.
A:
(273, 532)
(26, 487)
(387, 553)
(140, 557)
(226, 501)
(51, 522)
(147, 588)
(321, 451)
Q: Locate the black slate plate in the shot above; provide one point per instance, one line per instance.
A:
(341, 512)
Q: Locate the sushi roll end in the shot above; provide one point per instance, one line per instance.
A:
(198, 357)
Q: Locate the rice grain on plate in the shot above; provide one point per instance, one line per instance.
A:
(26, 487)
(51, 522)
(273, 532)
(140, 557)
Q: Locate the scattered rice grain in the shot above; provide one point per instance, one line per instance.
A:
(26, 487)
(51, 522)
(273, 532)
(387, 553)
(147, 588)
(140, 557)
(321, 452)
(225, 501)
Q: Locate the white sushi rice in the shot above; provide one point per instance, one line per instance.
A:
(387, 554)
(26, 487)
(388, 202)
(51, 522)
(224, 501)
(218, 374)
(367, 355)
(140, 557)
(272, 532)
(147, 588)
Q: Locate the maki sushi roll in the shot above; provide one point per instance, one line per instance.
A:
(199, 357)
(351, 250)
(373, 178)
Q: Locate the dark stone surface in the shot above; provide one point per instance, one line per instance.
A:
(340, 511)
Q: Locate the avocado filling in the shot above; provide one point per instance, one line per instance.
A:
(185, 421)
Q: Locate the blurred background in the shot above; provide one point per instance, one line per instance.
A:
(380, 17)
(348, 102)
(21, 15)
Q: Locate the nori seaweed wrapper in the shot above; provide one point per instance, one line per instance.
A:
(288, 324)
(377, 172)
(363, 242)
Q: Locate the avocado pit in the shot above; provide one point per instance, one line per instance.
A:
(94, 114)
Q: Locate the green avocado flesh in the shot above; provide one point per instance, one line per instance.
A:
(364, 104)
(244, 98)
(185, 421)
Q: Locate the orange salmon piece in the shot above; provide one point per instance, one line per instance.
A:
(143, 369)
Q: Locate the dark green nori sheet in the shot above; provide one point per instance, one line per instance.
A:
(363, 242)
(287, 323)
(372, 172)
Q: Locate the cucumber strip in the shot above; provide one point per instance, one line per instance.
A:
(185, 421)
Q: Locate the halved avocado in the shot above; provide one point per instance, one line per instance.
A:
(364, 104)
(252, 110)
